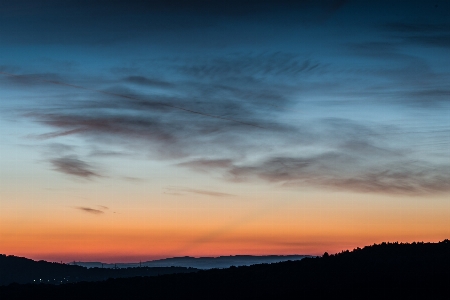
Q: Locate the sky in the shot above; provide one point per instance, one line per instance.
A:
(138, 130)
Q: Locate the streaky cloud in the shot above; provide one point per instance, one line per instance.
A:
(338, 171)
(163, 104)
(73, 166)
(178, 190)
(90, 210)
(254, 65)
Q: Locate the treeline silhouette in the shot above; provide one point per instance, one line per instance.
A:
(22, 270)
(383, 271)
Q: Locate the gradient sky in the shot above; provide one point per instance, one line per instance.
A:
(146, 130)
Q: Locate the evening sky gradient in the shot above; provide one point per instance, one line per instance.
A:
(146, 129)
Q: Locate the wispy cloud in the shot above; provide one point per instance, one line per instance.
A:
(73, 166)
(180, 190)
(340, 171)
(356, 158)
(252, 66)
(90, 210)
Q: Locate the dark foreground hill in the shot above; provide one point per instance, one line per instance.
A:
(385, 271)
(15, 269)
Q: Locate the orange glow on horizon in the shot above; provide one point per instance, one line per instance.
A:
(273, 224)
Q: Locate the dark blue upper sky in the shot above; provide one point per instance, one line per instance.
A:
(334, 94)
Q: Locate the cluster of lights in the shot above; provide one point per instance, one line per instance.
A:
(54, 279)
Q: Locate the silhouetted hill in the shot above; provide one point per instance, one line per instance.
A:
(385, 271)
(15, 269)
(202, 262)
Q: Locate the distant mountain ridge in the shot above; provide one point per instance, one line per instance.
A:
(200, 262)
